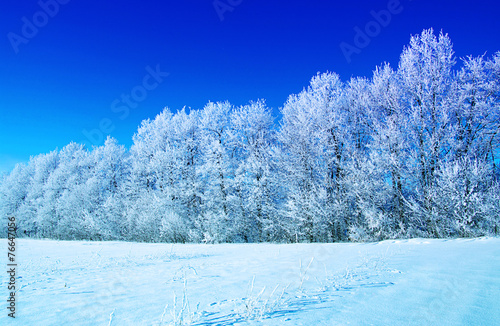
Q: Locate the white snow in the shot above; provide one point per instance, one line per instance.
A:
(404, 282)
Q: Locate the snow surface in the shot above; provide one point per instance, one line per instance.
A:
(407, 282)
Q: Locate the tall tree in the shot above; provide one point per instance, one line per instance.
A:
(313, 139)
(216, 171)
(425, 72)
(254, 181)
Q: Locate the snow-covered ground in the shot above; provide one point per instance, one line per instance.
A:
(408, 282)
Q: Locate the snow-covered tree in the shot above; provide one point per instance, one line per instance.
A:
(43, 166)
(312, 136)
(477, 110)
(426, 77)
(217, 172)
(255, 183)
(13, 193)
(62, 212)
(155, 183)
(105, 188)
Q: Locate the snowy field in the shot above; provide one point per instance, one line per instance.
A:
(407, 282)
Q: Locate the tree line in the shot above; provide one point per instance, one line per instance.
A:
(409, 152)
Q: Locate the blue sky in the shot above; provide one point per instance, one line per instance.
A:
(75, 68)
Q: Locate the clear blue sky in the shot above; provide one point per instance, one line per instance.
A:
(71, 72)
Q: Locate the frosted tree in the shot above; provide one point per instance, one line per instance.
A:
(255, 184)
(363, 183)
(389, 150)
(461, 198)
(165, 160)
(313, 138)
(216, 171)
(477, 110)
(186, 189)
(426, 77)
(150, 195)
(464, 185)
(13, 193)
(63, 207)
(43, 165)
(105, 188)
